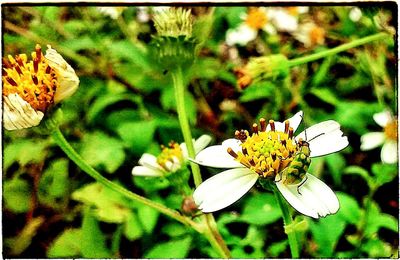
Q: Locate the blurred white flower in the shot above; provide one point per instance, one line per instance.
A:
(355, 14)
(268, 154)
(310, 34)
(31, 87)
(112, 11)
(254, 20)
(387, 138)
(285, 19)
(169, 160)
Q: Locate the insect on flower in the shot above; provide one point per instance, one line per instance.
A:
(273, 153)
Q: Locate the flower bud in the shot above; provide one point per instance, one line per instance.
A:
(263, 68)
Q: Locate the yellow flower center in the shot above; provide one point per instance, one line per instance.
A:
(266, 152)
(256, 18)
(391, 130)
(292, 10)
(170, 157)
(317, 35)
(34, 81)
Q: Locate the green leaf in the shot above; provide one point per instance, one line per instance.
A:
(377, 219)
(148, 217)
(54, 182)
(336, 164)
(357, 170)
(136, 55)
(67, 245)
(259, 90)
(93, 242)
(349, 208)
(17, 195)
(233, 15)
(25, 151)
(261, 209)
(137, 135)
(172, 249)
(326, 95)
(275, 249)
(133, 229)
(376, 248)
(101, 150)
(326, 233)
(81, 43)
(384, 173)
(168, 103)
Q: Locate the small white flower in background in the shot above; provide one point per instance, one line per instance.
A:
(169, 160)
(31, 87)
(285, 19)
(112, 11)
(387, 138)
(253, 21)
(272, 153)
(355, 14)
(310, 34)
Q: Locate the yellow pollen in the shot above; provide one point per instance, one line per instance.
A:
(317, 35)
(391, 130)
(266, 152)
(170, 156)
(256, 18)
(34, 81)
(293, 10)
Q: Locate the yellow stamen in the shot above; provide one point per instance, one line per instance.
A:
(391, 130)
(170, 156)
(34, 81)
(256, 18)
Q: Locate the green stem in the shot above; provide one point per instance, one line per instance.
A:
(333, 51)
(287, 220)
(179, 86)
(211, 231)
(76, 158)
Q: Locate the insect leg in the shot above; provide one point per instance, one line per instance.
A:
(298, 187)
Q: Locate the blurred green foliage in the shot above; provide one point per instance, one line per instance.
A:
(125, 107)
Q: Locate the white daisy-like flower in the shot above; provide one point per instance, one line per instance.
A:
(310, 34)
(355, 14)
(272, 153)
(285, 19)
(112, 11)
(254, 20)
(387, 138)
(169, 160)
(31, 87)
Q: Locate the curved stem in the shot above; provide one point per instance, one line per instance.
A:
(179, 86)
(76, 158)
(211, 231)
(340, 48)
(287, 220)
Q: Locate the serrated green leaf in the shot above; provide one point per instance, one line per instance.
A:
(132, 228)
(384, 173)
(349, 208)
(172, 249)
(148, 217)
(101, 150)
(376, 248)
(275, 249)
(25, 151)
(137, 136)
(93, 242)
(54, 182)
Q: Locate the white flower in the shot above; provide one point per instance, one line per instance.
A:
(355, 14)
(31, 87)
(253, 21)
(268, 153)
(388, 138)
(112, 11)
(286, 19)
(310, 34)
(170, 159)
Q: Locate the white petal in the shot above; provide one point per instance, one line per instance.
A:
(216, 156)
(232, 143)
(223, 189)
(383, 118)
(371, 140)
(315, 199)
(241, 35)
(324, 138)
(145, 171)
(202, 143)
(19, 114)
(294, 122)
(389, 152)
(66, 76)
(149, 161)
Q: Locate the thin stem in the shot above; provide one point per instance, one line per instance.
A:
(333, 51)
(76, 158)
(287, 220)
(211, 232)
(179, 86)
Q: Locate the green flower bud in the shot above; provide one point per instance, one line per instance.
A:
(174, 23)
(270, 67)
